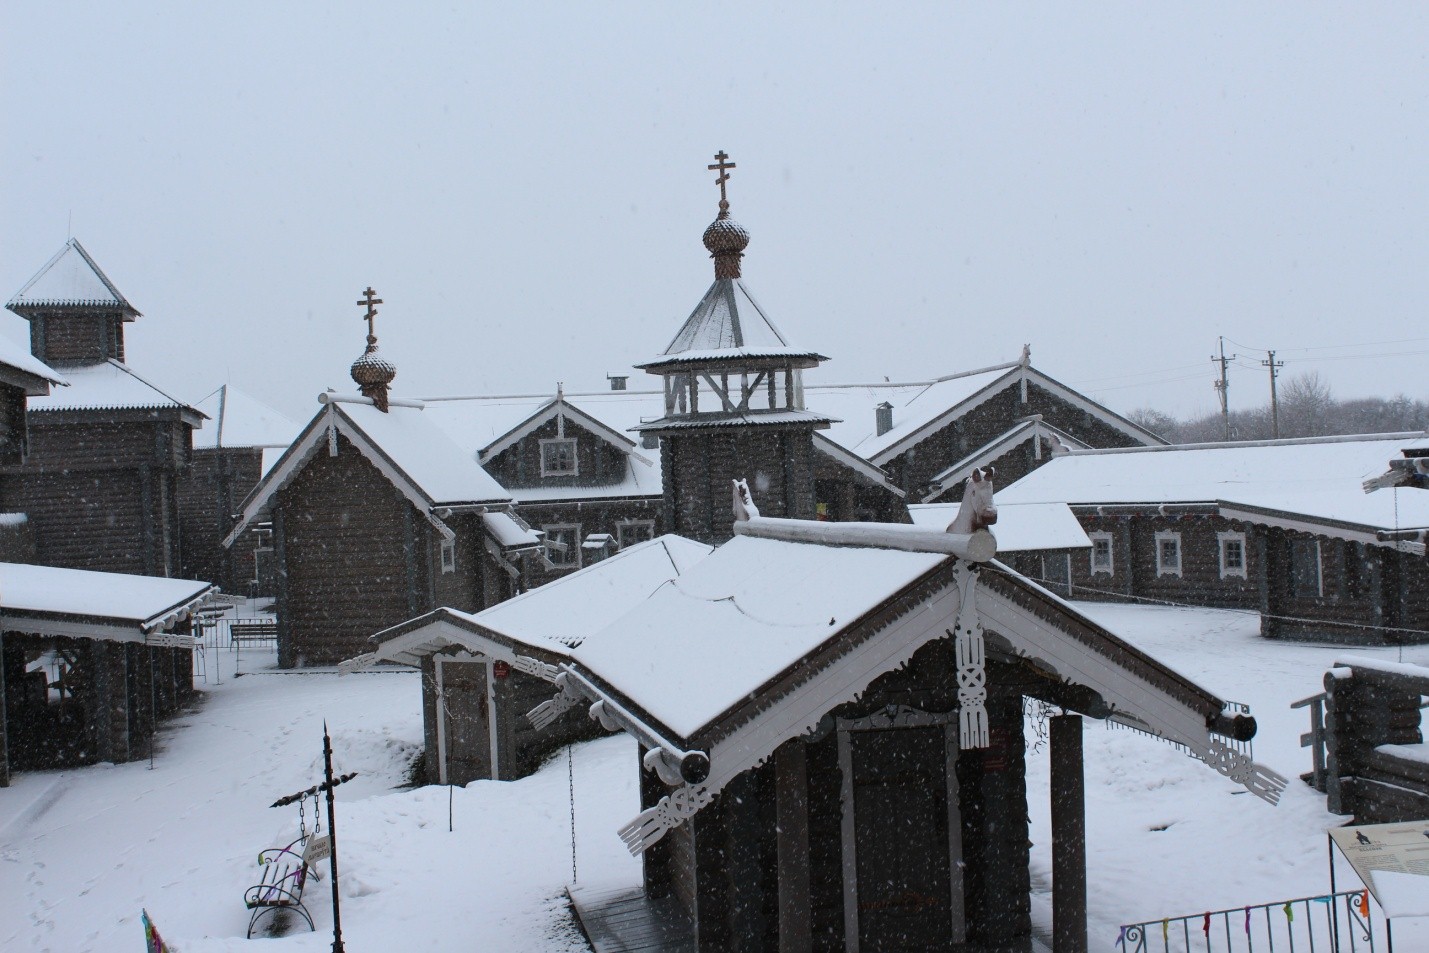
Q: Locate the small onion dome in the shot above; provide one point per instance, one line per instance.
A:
(725, 236)
(372, 375)
(726, 239)
(371, 369)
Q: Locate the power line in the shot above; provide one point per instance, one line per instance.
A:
(1332, 347)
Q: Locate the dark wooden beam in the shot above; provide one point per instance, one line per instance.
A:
(4, 703)
(1069, 836)
(792, 806)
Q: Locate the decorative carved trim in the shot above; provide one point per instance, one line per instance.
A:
(536, 667)
(1236, 765)
(971, 651)
(545, 714)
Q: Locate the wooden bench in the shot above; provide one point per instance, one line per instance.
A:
(280, 887)
(251, 631)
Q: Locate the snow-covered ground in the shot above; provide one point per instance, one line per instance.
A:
(82, 851)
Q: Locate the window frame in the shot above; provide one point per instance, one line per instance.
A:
(448, 555)
(551, 443)
(1224, 539)
(620, 529)
(1101, 536)
(571, 558)
(1162, 567)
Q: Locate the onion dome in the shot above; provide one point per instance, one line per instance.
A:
(726, 240)
(373, 373)
(725, 236)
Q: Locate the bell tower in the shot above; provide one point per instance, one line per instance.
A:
(76, 314)
(734, 401)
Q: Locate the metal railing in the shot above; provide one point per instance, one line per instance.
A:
(1333, 923)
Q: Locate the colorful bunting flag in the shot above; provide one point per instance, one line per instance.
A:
(153, 942)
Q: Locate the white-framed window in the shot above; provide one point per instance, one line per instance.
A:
(1102, 560)
(1168, 553)
(630, 532)
(1233, 556)
(563, 544)
(558, 457)
(448, 555)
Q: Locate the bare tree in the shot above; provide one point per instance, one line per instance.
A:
(1306, 405)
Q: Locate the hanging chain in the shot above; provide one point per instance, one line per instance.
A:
(302, 819)
(317, 816)
(571, 776)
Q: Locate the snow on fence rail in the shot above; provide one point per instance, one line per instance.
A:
(1333, 923)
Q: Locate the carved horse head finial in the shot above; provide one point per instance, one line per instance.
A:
(977, 511)
(744, 508)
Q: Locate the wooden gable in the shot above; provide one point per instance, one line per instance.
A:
(916, 462)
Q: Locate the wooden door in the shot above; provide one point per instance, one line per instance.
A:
(905, 894)
(467, 726)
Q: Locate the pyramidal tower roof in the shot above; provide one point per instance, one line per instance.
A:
(728, 323)
(71, 279)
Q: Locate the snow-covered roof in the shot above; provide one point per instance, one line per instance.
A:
(1318, 479)
(404, 444)
(80, 597)
(1020, 527)
(557, 407)
(507, 533)
(728, 323)
(920, 408)
(742, 615)
(759, 641)
(240, 420)
(423, 452)
(914, 405)
(13, 354)
(71, 279)
(567, 610)
(574, 606)
(770, 418)
(483, 426)
(109, 386)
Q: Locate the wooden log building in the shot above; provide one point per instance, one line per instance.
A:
(830, 726)
(1281, 527)
(377, 517)
(89, 663)
(99, 482)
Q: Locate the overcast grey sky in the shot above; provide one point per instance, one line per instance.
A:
(927, 187)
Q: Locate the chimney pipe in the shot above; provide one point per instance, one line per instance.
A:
(883, 415)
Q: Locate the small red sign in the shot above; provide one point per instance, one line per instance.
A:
(500, 669)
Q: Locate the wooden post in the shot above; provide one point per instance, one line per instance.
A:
(1069, 837)
(792, 839)
(4, 742)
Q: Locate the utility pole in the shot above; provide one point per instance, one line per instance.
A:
(1223, 385)
(1274, 366)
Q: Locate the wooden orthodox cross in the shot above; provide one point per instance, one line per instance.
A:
(370, 300)
(722, 164)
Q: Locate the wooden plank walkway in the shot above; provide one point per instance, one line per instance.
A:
(622, 920)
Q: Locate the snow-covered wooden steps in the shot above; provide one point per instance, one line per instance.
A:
(623, 920)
